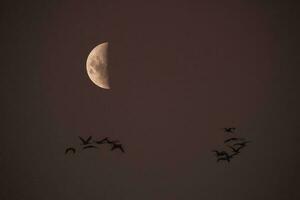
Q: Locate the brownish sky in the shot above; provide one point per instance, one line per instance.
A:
(179, 72)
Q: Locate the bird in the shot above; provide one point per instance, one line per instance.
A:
(237, 151)
(106, 140)
(119, 146)
(242, 144)
(229, 130)
(70, 149)
(90, 147)
(220, 153)
(85, 142)
(233, 139)
(227, 157)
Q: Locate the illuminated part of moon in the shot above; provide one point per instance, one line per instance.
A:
(97, 66)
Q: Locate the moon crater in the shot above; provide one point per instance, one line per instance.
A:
(97, 66)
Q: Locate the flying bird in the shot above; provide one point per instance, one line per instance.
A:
(233, 139)
(85, 142)
(227, 157)
(106, 140)
(220, 153)
(117, 146)
(90, 147)
(229, 130)
(237, 151)
(70, 149)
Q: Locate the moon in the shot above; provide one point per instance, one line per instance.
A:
(97, 66)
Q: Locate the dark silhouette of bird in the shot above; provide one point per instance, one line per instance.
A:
(241, 144)
(106, 140)
(70, 149)
(85, 142)
(220, 153)
(227, 157)
(229, 130)
(233, 139)
(90, 147)
(117, 146)
(236, 150)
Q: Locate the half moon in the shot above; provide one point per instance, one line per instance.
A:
(97, 66)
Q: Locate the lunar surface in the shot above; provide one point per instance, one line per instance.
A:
(97, 66)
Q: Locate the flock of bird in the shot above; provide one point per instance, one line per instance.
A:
(235, 144)
(239, 143)
(89, 144)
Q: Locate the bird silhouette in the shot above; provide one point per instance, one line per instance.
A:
(220, 153)
(233, 139)
(117, 146)
(85, 142)
(229, 130)
(227, 157)
(90, 147)
(241, 144)
(70, 149)
(236, 150)
(105, 140)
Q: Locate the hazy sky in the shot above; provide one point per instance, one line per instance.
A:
(180, 71)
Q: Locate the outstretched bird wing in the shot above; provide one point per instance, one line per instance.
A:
(233, 149)
(82, 140)
(101, 141)
(122, 149)
(89, 139)
(239, 148)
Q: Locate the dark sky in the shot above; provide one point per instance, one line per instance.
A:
(179, 73)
